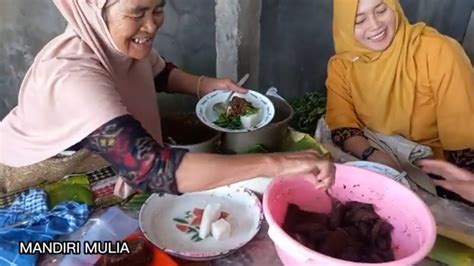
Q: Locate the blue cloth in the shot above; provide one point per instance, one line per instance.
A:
(29, 219)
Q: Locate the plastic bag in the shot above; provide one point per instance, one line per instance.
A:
(454, 220)
(109, 225)
(272, 91)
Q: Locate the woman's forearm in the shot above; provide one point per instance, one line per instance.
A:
(214, 170)
(351, 140)
(148, 166)
(356, 145)
(182, 82)
(135, 155)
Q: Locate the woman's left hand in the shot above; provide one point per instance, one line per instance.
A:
(209, 84)
(458, 180)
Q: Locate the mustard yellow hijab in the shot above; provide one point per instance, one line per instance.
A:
(406, 35)
(380, 76)
(420, 87)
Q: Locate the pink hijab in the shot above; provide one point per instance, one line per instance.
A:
(78, 82)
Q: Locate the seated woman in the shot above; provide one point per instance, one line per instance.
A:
(93, 87)
(397, 78)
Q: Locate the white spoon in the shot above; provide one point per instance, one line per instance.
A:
(222, 106)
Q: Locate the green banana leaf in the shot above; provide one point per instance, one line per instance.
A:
(451, 252)
(258, 149)
(298, 141)
(136, 201)
(294, 141)
(72, 188)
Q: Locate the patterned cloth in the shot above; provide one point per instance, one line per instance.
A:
(102, 185)
(340, 135)
(462, 158)
(32, 203)
(29, 219)
(102, 182)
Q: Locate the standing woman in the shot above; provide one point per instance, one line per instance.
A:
(93, 89)
(397, 78)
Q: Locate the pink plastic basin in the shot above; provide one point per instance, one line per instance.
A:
(414, 231)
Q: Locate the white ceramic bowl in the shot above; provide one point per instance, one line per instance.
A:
(206, 113)
(172, 222)
(381, 169)
(258, 185)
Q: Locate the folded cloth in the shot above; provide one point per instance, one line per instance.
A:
(403, 151)
(30, 219)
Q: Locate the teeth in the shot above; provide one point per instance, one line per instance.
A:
(378, 36)
(140, 41)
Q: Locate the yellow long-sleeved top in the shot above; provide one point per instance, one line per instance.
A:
(422, 87)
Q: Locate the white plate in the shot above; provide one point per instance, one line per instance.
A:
(166, 220)
(381, 169)
(207, 115)
(258, 185)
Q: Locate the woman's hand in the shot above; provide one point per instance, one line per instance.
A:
(383, 158)
(457, 180)
(305, 162)
(209, 84)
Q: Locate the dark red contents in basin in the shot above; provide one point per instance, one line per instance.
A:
(351, 232)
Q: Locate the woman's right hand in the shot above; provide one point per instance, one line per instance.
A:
(305, 162)
(383, 158)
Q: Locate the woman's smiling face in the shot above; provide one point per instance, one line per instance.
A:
(374, 25)
(133, 25)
